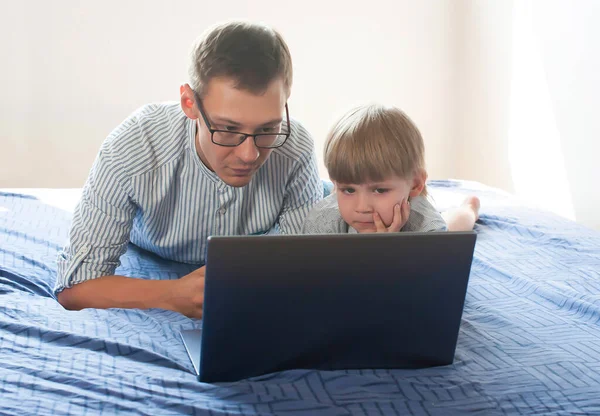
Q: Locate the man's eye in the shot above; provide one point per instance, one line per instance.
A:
(230, 128)
(269, 129)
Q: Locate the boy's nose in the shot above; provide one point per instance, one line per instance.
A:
(364, 204)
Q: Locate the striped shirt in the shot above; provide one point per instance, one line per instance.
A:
(149, 187)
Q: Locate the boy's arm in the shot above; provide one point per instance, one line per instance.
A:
(424, 217)
(325, 218)
(401, 216)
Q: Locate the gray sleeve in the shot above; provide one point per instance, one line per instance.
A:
(325, 218)
(424, 217)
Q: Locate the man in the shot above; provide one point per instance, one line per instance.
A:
(226, 160)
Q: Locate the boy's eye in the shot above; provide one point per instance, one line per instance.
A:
(381, 190)
(348, 190)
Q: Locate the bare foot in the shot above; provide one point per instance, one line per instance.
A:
(463, 217)
(473, 203)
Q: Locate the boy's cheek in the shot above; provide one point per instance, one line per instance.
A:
(387, 215)
(343, 211)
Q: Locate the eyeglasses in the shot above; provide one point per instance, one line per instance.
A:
(229, 138)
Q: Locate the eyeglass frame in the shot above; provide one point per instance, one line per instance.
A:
(246, 135)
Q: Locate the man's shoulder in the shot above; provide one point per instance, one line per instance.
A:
(298, 145)
(151, 136)
(148, 117)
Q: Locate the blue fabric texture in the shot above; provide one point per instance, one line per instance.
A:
(528, 342)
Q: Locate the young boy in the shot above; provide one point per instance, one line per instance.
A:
(375, 157)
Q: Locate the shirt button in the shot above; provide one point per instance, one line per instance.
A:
(222, 210)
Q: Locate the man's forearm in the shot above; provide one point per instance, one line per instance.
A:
(118, 292)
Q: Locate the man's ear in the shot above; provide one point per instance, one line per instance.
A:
(418, 183)
(188, 101)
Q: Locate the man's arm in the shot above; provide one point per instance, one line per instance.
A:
(185, 295)
(101, 224)
(100, 232)
(116, 292)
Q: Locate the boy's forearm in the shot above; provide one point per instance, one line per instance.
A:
(118, 292)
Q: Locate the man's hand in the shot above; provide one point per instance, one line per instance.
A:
(401, 214)
(187, 296)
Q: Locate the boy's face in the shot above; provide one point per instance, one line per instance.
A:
(358, 202)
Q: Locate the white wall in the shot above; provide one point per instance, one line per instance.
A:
(482, 98)
(569, 37)
(73, 70)
(530, 96)
(505, 92)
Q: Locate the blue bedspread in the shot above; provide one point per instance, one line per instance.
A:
(529, 340)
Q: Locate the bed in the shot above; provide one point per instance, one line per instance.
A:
(529, 341)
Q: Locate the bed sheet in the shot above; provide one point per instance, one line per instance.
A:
(529, 339)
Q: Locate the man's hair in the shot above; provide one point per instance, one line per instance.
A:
(252, 55)
(372, 143)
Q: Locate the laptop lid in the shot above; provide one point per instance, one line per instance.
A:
(339, 301)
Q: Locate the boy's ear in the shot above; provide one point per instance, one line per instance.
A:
(418, 183)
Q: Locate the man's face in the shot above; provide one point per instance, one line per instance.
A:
(228, 108)
(358, 202)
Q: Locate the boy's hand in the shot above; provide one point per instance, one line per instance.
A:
(401, 214)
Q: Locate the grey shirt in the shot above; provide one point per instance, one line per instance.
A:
(325, 218)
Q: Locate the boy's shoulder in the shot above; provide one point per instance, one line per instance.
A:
(325, 218)
(424, 216)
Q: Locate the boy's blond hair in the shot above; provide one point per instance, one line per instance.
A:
(372, 143)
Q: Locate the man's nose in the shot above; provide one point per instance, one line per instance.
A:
(247, 151)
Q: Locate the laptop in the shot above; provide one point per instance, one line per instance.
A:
(330, 302)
